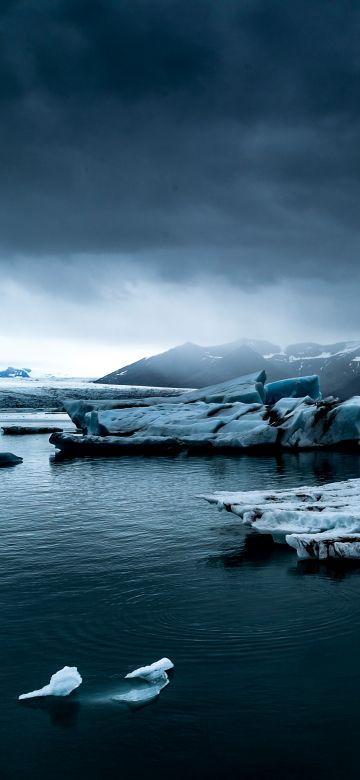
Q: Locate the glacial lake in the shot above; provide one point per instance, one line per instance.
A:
(111, 564)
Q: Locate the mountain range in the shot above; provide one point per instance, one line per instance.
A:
(191, 365)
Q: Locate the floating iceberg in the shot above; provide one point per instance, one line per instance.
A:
(8, 459)
(247, 389)
(318, 522)
(143, 685)
(234, 416)
(138, 688)
(153, 670)
(61, 683)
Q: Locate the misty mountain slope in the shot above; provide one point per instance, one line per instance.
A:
(338, 366)
(190, 365)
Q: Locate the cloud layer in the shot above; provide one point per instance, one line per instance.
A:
(210, 145)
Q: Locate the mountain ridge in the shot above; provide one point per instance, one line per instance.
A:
(192, 365)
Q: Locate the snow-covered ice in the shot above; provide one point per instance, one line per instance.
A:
(62, 683)
(51, 393)
(321, 521)
(325, 545)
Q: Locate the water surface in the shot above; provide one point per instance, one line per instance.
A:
(110, 564)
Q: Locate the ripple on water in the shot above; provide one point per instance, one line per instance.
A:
(247, 614)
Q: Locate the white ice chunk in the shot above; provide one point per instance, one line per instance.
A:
(61, 683)
(152, 671)
(334, 507)
(325, 545)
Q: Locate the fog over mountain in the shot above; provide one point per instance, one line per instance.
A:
(189, 365)
(176, 171)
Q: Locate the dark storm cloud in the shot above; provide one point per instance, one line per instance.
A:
(183, 137)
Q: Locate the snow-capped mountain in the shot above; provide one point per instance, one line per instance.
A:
(191, 365)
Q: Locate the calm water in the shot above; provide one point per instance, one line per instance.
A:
(109, 564)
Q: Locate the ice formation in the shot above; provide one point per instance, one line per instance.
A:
(229, 417)
(25, 430)
(293, 388)
(61, 683)
(153, 670)
(138, 688)
(9, 459)
(143, 690)
(143, 685)
(325, 545)
(248, 389)
(319, 522)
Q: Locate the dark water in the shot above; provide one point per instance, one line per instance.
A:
(110, 564)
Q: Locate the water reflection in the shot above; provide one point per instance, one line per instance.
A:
(336, 569)
(317, 466)
(62, 713)
(259, 549)
(111, 561)
(255, 549)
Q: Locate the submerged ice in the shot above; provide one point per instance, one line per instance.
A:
(141, 690)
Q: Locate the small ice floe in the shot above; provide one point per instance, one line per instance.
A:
(152, 671)
(137, 689)
(9, 459)
(146, 684)
(61, 683)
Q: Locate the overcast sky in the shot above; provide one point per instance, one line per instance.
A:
(176, 170)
